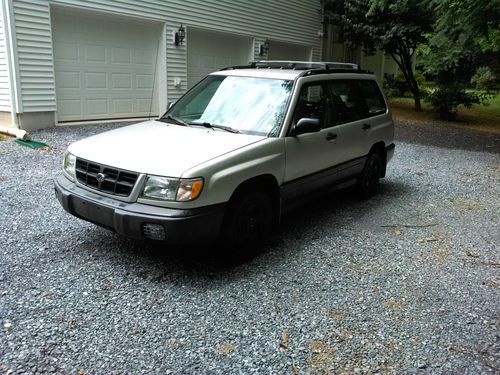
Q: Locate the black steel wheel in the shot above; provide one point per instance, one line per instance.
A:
(369, 180)
(247, 224)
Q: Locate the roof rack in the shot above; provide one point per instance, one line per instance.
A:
(301, 65)
(295, 65)
(307, 68)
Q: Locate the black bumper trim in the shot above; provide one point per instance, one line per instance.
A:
(191, 226)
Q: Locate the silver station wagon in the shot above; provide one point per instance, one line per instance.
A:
(231, 155)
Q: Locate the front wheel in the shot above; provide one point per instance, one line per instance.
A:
(369, 180)
(247, 224)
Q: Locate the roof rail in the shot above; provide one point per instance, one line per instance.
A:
(296, 65)
(306, 64)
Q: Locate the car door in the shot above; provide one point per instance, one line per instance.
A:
(311, 156)
(351, 117)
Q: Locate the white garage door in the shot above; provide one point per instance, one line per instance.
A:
(209, 51)
(288, 51)
(104, 66)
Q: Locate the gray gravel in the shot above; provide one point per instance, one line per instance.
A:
(405, 282)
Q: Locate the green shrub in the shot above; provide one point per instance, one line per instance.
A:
(446, 98)
(397, 86)
(484, 79)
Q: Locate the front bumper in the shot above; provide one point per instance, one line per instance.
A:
(193, 226)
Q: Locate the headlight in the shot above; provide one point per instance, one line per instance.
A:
(172, 189)
(161, 188)
(69, 164)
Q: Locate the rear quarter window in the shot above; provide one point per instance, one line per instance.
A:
(373, 97)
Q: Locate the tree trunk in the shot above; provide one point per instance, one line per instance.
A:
(415, 90)
(405, 64)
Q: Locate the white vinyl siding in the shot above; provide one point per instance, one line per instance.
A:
(34, 56)
(5, 102)
(293, 21)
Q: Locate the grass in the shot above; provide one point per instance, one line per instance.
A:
(479, 117)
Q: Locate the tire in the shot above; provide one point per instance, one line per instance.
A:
(368, 181)
(247, 224)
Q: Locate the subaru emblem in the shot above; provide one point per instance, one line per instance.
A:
(100, 177)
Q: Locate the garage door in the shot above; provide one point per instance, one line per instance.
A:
(288, 51)
(104, 66)
(210, 51)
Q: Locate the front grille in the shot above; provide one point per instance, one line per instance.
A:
(108, 180)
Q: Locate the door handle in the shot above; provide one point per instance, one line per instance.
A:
(331, 136)
(366, 126)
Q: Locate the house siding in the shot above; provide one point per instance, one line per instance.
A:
(5, 103)
(294, 21)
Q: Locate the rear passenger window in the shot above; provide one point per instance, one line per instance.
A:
(347, 101)
(355, 100)
(373, 97)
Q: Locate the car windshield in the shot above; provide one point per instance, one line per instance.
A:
(244, 104)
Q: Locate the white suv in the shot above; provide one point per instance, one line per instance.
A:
(232, 154)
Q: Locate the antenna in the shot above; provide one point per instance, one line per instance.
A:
(154, 78)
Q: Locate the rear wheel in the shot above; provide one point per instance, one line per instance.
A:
(369, 180)
(247, 224)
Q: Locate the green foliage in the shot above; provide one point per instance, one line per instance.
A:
(484, 79)
(397, 85)
(446, 98)
(464, 30)
(395, 26)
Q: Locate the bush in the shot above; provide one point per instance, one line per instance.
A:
(484, 79)
(397, 86)
(446, 99)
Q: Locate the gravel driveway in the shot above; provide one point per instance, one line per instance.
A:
(405, 282)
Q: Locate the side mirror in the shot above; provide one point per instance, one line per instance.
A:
(306, 125)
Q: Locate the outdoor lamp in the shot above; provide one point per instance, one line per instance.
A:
(179, 36)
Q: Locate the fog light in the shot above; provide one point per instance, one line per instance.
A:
(153, 231)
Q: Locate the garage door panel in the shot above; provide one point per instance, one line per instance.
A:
(68, 80)
(120, 55)
(143, 106)
(94, 53)
(95, 80)
(144, 57)
(123, 106)
(194, 60)
(64, 51)
(288, 51)
(144, 81)
(209, 51)
(104, 67)
(97, 107)
(70, 107)
(121, 81)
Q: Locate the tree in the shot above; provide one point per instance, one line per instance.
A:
(397, 27)
(466, 35)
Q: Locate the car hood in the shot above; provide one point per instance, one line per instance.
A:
(159, 148)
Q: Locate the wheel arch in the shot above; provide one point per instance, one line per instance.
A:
(265, 182)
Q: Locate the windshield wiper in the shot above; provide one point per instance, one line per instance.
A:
(215, 126)
(175, 120)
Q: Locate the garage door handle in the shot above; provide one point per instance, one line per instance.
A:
(366, 126)
(331, 136)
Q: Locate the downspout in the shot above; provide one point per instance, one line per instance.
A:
(14, 129)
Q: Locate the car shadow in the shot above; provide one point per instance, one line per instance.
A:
(159, 263)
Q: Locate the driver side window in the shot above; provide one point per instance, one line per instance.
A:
(313, 103)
